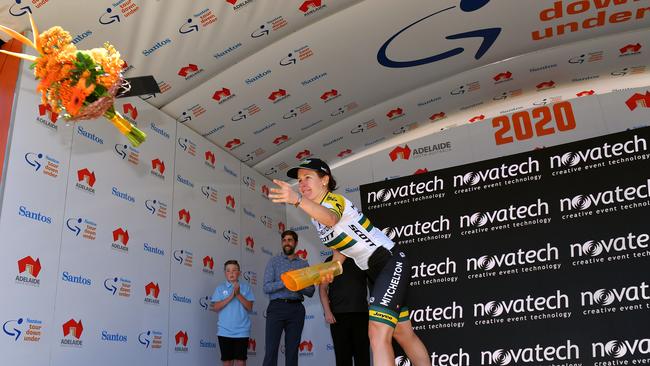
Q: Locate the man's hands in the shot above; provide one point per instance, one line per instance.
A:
(283, 194)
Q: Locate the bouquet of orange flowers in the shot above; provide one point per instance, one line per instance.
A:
(77, 84)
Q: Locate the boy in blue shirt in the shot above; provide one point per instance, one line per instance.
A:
(233, 300)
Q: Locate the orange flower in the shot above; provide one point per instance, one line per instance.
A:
(86, 90)
(72, 98)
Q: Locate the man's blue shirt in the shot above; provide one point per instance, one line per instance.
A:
(273, 285)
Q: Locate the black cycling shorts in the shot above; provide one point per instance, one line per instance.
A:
(389, 275)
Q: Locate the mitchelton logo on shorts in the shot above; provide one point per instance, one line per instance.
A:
(407, 190)
(513, 259)
(606, 297)
(497, 173)
(504, 215)
(590, 201)
(595, 154)
(612, 245)
(621, 349)
(528, 304)
(531, 355)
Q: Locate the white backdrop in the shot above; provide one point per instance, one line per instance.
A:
(110, 253)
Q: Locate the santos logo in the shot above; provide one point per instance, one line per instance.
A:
(534, 355)
(407, 190)
(620, 349)
(493, 174)
(594, 154)
(520, 257)
(523, 305)
(606, 297)
(502, 215)
(617, 195)
(595, 248)
(428, 227)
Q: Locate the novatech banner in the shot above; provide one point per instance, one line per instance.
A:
(538, 258)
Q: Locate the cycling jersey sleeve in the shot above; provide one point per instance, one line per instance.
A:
(335, 203)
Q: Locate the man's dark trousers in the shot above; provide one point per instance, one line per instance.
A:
(290, 318)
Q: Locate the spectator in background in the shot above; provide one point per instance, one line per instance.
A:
(345, 307)
(233, 301)
(285, 312)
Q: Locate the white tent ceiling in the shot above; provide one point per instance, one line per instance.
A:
(275, 81)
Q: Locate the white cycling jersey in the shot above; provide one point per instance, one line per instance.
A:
(353, 235)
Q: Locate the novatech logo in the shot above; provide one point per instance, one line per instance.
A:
(535, 355)
(493, 262)
(425, 274)
(404, 233)
(150, 339)
(406, 191)
(78, 279)
(606, 297)
(506, 217)
(618, 195)
(450, 316)
(522, 306)
(459, 358)
(42, 162)
(615, 349)
(612, 245)
(606, 151)
(502, 172)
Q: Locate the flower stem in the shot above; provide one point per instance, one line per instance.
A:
(126, 128)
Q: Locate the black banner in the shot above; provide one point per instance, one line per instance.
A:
(539, 258)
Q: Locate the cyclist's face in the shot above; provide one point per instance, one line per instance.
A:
(311, 185)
